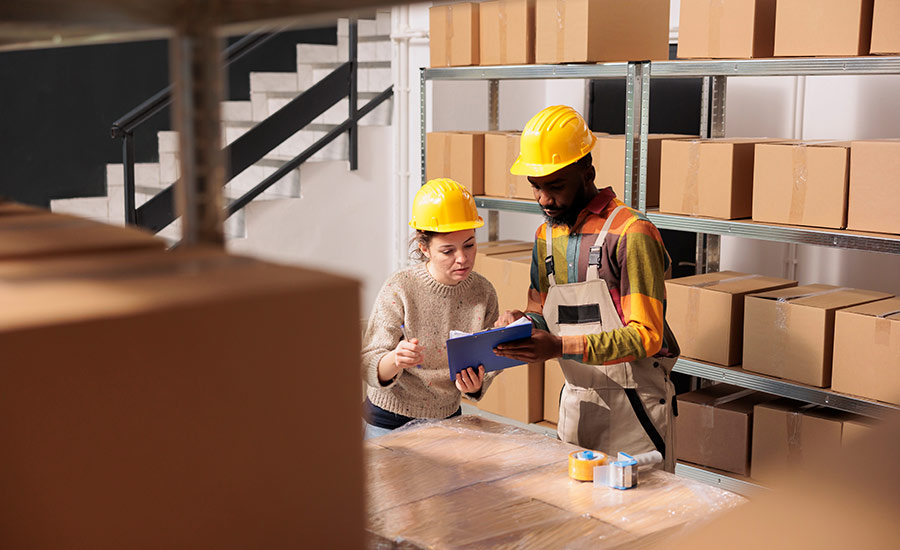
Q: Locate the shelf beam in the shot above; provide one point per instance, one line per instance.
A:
(777, 67)
(716, 479)
(873, 242)
(527, 72)
(785, 388)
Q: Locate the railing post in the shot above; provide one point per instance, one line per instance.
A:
(197, 75)
(352, 133)
(129, 184)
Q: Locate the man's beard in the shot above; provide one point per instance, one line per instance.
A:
(570, 215)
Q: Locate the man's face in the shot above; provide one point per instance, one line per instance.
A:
(563, 194)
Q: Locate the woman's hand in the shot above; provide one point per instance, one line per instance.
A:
(508, 316)
(469, 381)
(407, 354)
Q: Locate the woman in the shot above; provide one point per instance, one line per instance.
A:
(404, 356)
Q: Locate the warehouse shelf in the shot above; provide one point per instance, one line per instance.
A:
(777, 67)
(858, 240)
(719, 479)
(784, 388)
(527, 72)
(508, 205)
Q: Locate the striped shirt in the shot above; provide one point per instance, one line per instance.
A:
(633, 264)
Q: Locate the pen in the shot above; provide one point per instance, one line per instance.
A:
(406, 337)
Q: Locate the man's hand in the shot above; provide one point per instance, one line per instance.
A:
(541, 346)
(508, 316)
(469, 381)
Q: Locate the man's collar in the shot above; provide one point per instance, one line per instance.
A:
(600, 201)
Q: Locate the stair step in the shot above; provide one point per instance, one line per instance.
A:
(273, 82)
(318, 53)
(94, 208)
(146, 174)
(236, 111)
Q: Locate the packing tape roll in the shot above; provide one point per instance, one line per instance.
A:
(581, 464)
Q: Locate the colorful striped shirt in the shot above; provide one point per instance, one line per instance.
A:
(634, 263)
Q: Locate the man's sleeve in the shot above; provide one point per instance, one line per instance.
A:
(642, 263)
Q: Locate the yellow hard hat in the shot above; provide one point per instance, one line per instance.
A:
(553, 139)
(444, 206)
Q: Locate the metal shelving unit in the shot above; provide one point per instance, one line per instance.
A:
(712, 124)
(637, 105)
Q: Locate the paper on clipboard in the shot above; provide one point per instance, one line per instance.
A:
(470, 350)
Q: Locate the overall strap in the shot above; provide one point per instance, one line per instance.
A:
(593, 268)
(548, 260)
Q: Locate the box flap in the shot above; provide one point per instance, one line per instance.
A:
(886, 309)
(81, 288)
(807, 143)
(822, 296)
(730, 282)
(710, 393)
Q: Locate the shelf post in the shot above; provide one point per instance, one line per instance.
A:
(637, 106)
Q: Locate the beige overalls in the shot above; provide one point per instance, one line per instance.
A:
(625, 407)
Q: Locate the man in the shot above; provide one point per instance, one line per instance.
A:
(597, 297)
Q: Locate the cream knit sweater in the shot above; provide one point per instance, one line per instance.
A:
(429, 309)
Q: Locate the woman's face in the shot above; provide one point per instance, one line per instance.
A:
(450, 256)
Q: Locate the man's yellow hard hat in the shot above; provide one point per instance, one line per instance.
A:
(553, 139)
(443, 205)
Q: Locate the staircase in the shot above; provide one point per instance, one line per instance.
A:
(269, 91)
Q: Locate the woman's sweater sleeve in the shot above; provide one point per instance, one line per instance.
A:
(383, 333)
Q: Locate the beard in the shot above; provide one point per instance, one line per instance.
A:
(569, 215)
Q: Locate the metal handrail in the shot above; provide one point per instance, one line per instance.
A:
(161, 99)
(252, 146)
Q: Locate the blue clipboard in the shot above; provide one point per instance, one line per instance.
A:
(478, 349)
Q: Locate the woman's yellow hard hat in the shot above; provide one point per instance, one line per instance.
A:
(553, 139)
(443, 206)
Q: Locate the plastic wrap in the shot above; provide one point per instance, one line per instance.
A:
(468, 482)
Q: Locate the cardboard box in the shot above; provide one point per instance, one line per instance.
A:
(554, 380)
(885, 22)
(453, 35)
(714, 427)
(506, 30)
(608, 159)
(587, 31)
(43, 234)
(707, 177)
(150, 389)
(822, 28)
(456, 155)
(500, 152)
(789, 333)
(874, 199)
(801, 183)
(737, 29)
(857, 429)
(8, 208)
(790, 436)
(706, 312)
(867, 351)
(517, 392)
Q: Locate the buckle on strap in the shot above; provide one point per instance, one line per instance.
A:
(548, 261)
(594, 256)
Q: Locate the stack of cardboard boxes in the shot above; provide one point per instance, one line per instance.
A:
(827, 184)
(744, 29)
(515, 32)
(517, 392)
(774, 327)
(145, 388)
